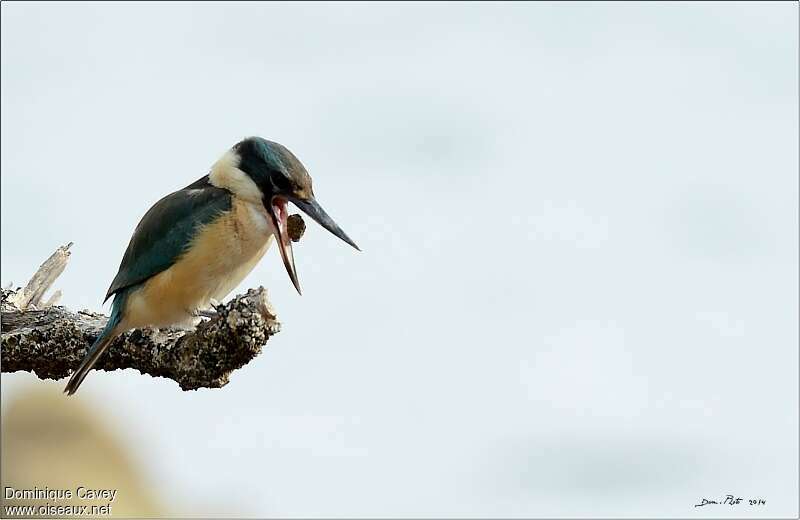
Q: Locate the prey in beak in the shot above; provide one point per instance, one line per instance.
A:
(279, 214)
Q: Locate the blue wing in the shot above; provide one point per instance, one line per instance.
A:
(166, 230)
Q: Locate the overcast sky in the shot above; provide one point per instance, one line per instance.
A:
(578, 292)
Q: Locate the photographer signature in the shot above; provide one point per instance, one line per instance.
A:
(732, 500)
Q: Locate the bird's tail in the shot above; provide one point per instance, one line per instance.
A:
(111, 331)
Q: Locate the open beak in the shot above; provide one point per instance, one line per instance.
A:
(277, 210)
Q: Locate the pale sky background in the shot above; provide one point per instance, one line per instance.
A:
(578, 294)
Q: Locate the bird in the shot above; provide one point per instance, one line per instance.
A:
(195, 245)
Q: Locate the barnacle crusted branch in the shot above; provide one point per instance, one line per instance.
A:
(51, 341)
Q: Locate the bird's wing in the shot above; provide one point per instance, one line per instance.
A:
(167, 229)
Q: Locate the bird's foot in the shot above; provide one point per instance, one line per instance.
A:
(206, 313)
(209, 313)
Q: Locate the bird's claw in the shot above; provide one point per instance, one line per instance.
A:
(206, 313)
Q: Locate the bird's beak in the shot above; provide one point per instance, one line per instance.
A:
(312, 208)
(277, 210)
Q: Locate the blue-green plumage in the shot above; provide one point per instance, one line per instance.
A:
(164, 233)
(269, 163)
(166, 230)
(103, 339)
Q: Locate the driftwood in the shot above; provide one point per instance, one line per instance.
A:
(51, 341)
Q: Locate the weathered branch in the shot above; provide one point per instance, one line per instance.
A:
(31, 296)
(51, 341)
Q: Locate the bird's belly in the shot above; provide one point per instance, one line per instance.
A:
(222, 254)
(230, 276)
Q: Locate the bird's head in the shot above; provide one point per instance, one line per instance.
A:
(279, 177)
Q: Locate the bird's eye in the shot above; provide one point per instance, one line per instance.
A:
(281, 181)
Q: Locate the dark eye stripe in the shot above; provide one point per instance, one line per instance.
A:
(280, 181)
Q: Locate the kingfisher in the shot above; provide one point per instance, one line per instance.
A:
(194, 246)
